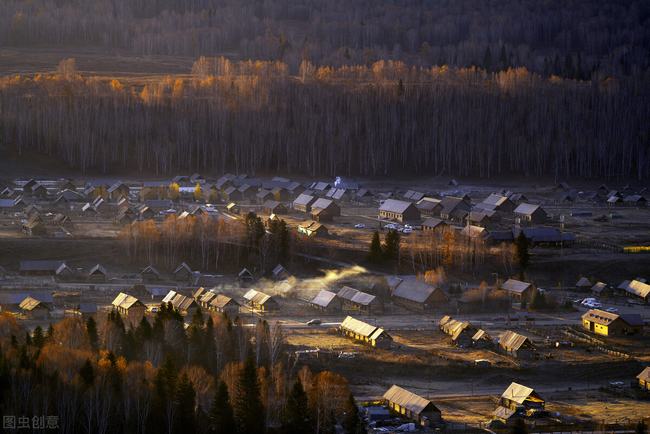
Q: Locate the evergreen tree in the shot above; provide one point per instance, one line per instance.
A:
(296, 416)
(38, 339)
(519, 427)
(185, 420)
(249, 412)
(375, 253)
(487, 59)
(352, 422)
(641, 428)
(503, 58)
(539, 301)
(523, 256)
(87, 373)
(391, 245)
(222, 419)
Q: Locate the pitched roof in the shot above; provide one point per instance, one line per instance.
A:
(638, 288)
(414, 290)
(526, 208)
(644, 375)
(356, 296)
(513, 341)
(600, 316)
(304, 199)
(150, 269)
(254, 296)
(513, 285)
(181, 267)
(409, 400)
(358, 327)
(30, 303)
(221, 301)
(583, 282)
(394, 205)
(323, 298)
(97, 269)
(125, 301)
(495, 200)
(481, 334)
(519, 393)
(433, 223)
(46, 265)
(599, 287)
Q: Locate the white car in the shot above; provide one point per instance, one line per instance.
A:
(359, 226)
(611, 310)
(407, 231)
(391, 226)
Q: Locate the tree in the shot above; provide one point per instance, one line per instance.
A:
(352, 421)
(222, 419)
(391, 245)
(296, 415)
(38, 338)
(91, 330)
(519, 427)
(375, 253)
(198, 192)
(641, 428)
(522, 254)
(539, 300)
(185, 420)
(87, 373)
(249, 412)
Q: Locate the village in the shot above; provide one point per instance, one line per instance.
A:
(482, 309)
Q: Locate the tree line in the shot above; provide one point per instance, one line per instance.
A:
(576, 39)
(384, 119)
(215, 377)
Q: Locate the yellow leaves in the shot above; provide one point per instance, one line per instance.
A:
(177, 91)
(116, 85)
(198, 192)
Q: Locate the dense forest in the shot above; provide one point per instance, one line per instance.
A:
(386, 118)
(571, 38)
(215, 377)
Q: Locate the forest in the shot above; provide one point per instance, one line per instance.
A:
(580, 39)
(386, 118)
(218, 377)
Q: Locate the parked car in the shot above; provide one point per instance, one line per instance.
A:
(313, 322)
(611, 310)
(359, 226)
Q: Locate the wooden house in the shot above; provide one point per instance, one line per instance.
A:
(353, 300)
(523, 400)
(304, 202)
(517, 345)
(129, 307)
(34, 309)
(518, 291)
(411, 406)
(399, 210)
(261, 302)
(530, 214)
(418, 296)
(150, 274)
(610, 324)
(324, 210)
(312, 229)
(182, 273)
(326, 301)
(97, 274)
(364, 332)
(644, 379)
(224, 304)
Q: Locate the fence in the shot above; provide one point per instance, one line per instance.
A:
(596, 343)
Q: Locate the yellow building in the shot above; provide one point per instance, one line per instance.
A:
(605, 323)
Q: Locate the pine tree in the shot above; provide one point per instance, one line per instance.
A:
(352, 422)
(222, 419)
(38, 339)
(391, 245)
(296, 416)
(375, 253)
(185, 419)
(523, 256)
(487, 59)
(249, 412)
(87, 373)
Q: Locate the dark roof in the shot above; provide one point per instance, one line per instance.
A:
(47, 265)
(395, 206)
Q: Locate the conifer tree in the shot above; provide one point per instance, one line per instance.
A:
(222, 419)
